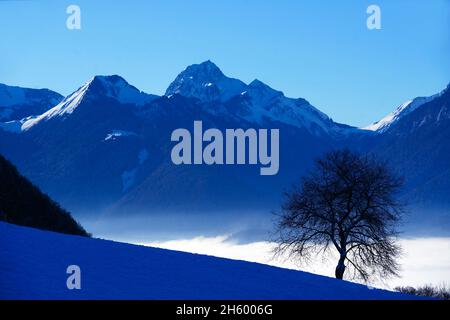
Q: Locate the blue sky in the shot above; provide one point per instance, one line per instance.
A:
(318, 50)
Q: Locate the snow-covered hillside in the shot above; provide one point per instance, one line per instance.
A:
(33, 265)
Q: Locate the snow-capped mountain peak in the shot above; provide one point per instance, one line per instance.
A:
(67, 106)
(263, 89)
(206, 82)
(265, 103)
(118, 88)
(206, 69)
(256, 102)
(402, 110)
(99, 87)
(260, 95)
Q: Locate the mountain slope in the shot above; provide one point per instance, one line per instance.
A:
(403, 110)
(17, 103)
(79, 150)
(22, 203)
(109, 87)
(256, 102)
(417, 145)
(206, 82)
(106, 147)
(34, 266)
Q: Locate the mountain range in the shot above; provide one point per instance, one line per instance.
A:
(105, 148)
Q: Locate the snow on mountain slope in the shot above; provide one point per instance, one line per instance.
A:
(205, 81)
(401, 111)
(262, 102)
(16, 126)
(255, 102)
(17, 102)
(113, 87)
(67, 106)
(116, 87)
(115, 134)
(34, 263)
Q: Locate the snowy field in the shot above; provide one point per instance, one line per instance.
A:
(33, 265)
(425, 260)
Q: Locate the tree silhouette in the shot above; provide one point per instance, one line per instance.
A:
(347, 202)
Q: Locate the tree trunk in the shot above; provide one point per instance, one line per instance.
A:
(340, 268)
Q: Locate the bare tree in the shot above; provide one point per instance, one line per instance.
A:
(347, 202)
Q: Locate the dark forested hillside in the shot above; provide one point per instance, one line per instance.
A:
(24, 204)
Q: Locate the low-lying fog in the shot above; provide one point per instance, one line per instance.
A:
(425, 259)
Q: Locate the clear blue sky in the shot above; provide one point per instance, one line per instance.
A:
(319, 50)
